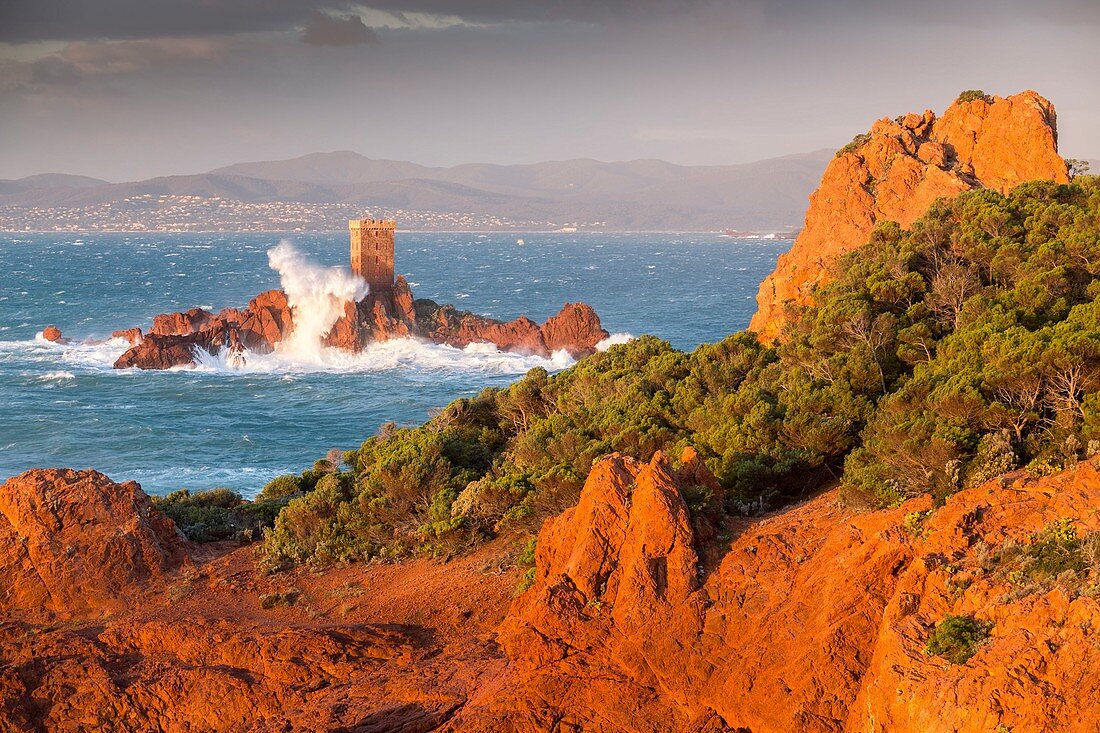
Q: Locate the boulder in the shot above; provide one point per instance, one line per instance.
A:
(576, 328)
(76, 544)
(53, 333)
(183, 323)
(133, 335)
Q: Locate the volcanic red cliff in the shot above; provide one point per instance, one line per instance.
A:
(269, 319)
(895, 171)
(813, 619)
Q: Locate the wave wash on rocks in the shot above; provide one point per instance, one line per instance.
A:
(329, 307)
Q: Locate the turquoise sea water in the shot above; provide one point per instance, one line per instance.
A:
(63, 405)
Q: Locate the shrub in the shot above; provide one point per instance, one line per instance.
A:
(280, 598)
(957, 638)
(526, 562)
(1054, 551)
(932, 359)
(857, 142)
(218, 514)
(971, 95)
(281, 487)
(995, 456)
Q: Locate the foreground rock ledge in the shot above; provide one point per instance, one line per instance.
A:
(268, 319)
(813, 619)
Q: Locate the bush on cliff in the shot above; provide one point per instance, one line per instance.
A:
(999, 336)
(957, 638)
(967, 345)
(282, 486)
(218, 514)
(971, 95)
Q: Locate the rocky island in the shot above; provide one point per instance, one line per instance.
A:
(386, 311)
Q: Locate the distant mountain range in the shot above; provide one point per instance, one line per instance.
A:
(640, 194)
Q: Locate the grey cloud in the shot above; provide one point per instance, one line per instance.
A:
(325, 30)
(71, 20)
(67, 20)
(83, 60)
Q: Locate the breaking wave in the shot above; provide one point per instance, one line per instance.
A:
(316, 295)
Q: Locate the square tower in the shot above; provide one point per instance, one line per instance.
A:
(372, 252)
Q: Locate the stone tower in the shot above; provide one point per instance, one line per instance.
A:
(372, 252)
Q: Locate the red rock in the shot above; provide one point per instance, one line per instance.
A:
(576, 328)
(268, 319)
(133, 335)
(897, 173)
(814, 620)
(52, 333)
(446, 325)
(346, 333)
(76, 544)
(181, 324)
(162, 352)
(193, 647)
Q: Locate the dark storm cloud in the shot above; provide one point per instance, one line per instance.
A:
(325, 30)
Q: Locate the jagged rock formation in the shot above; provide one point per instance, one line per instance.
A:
(816, 619)
(894, 172)
(269, 319)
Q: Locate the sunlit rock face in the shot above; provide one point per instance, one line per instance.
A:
(894, 172)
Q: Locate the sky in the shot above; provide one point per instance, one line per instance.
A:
(130, 89)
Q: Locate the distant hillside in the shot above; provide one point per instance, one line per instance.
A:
(638, 194)
(47, 181)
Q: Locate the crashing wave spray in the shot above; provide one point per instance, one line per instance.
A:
(316, 296)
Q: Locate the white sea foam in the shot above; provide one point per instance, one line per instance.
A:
(55, 376)
(614, 340)
(412, 356)
(316, 295)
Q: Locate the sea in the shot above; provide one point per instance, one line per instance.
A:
(63, 405)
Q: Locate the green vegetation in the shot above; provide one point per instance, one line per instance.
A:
(1076, 167)
(1056, 556)
(936, 358)
(217, 514)
(526, 563)
(857, 142)
(281, 487)
(956, 638)
(970, 95)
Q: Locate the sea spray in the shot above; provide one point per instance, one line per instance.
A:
(316, 295)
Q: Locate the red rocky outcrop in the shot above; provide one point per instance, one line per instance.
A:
(816, 619)
(133, 335)
(896, 171)
(268, 319)
(151, 642)
(76, 544)
(576, 329)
